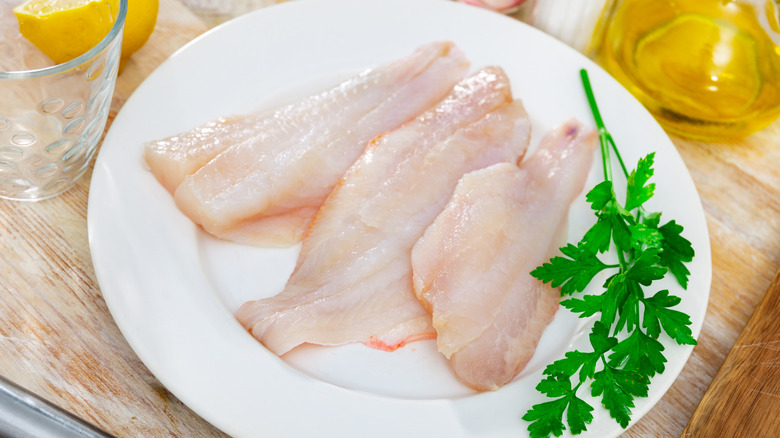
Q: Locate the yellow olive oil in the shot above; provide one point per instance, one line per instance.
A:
(706, 69)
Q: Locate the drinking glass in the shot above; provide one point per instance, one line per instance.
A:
(52, 118)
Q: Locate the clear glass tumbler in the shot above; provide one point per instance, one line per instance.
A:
(52, 119)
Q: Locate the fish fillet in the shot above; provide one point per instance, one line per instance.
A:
(265, 188)
(353, 282)
(471, 267)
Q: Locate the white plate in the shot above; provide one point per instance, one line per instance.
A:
(173, 290)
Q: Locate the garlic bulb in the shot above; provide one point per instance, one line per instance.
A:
(495, 5)
(575, 22)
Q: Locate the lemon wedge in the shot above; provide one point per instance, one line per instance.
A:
(65, 29)
(139, 24)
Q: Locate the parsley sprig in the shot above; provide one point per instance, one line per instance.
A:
(626, 353)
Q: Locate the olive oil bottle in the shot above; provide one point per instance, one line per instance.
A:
(706, 69)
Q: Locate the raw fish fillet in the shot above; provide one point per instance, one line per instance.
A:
(353, 279)
(265, 187)
(471, 267)
(172, 159)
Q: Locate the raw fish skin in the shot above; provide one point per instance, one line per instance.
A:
(265, 189)
(353, 279)
(471, 267)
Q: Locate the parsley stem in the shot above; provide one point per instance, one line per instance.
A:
(622, 260)
(617, 154)
(602, 130)
(605, 138)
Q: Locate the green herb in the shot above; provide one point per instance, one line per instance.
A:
(626, 352)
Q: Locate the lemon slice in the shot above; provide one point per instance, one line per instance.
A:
(65, 29)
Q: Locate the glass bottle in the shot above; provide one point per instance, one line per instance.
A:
(706, 69)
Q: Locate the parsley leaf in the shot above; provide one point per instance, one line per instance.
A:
(578, 414)
(573, 361)
(589, 305)
(644, 269)
(600, 195)
(639, 191)
(617, 401)
(676, 250)
(547, 418)
(651, 220)
(556, 385)
(631, 382)
(613, 222)
(643, 235)
(600, 339)
(658, 314)
(639, 352)
(572, 272)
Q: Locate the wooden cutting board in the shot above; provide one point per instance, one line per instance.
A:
(744, 398)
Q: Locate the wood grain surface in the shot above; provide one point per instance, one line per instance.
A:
(58, 339)
(744, 398)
